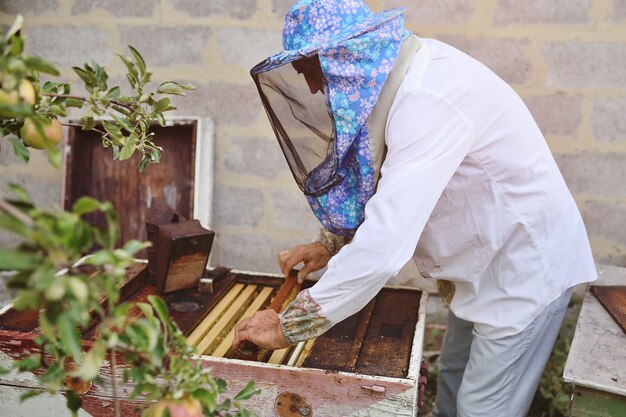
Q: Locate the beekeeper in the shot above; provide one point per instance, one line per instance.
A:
(408, 148)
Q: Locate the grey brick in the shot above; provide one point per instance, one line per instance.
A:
(252, 252)
(594, 173)
(605, 221)
(585, 65)
(120, 8)
(556, 114)
(247, 47)
(427, 12)
(506, 57)
(608, 119)
(292, 211)
(237, 206)
(619, 9)
(255, 157)
(542, 11)
(26, 7)
(69, 45)
(168, 46)
(225, 102)
(280, 7)
(240, 9)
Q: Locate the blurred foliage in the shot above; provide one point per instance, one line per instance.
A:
(65, 268)
(123, 121)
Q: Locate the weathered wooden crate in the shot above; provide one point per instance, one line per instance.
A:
(367, 365)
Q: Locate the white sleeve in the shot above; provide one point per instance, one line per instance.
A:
(427, 139)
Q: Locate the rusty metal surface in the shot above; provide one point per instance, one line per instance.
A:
(613, 299)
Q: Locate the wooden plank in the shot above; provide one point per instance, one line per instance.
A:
(359, 336)
(223, 350)
(297, 350)
(305, 353)
(593, 403)
(596, 357)
(613, 298)
(279, 356)
(228, 319)
(206, 323)
(187, 318)
(387, 345)
(330, 350)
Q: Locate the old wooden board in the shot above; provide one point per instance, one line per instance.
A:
(387, 348)
(613, 298)
(118, 182)
(28, 320)
(330, 394)
(597, 355)
(591, 403)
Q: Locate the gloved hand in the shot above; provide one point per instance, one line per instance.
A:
(315, 256)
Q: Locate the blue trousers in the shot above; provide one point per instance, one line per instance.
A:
(487, 377)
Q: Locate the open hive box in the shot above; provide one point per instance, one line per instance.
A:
(368, 365)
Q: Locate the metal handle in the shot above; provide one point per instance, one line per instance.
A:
(374, 389)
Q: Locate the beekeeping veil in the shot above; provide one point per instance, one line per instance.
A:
(323, 119)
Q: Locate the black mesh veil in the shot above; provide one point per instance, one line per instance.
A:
(303, 125)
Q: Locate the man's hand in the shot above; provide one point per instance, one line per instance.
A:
(314, 255)
(262, 329)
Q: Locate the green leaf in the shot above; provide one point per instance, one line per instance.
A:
(29, 394)
(68, 333)
(4, 371)
(116, 152)
(16, 27)
(134, 246)
(20, 192)
(129, 147)
(93, 361)
(56, 290)
(124, 123)
(206, 398)
(155, 156)
(29, 363)
(141, 64)
(160, 118)
(55, 157)
(27, 300)
(74, 102)
(247, 392)
(73, 401)
(88, 78)
(79, 289)
(171, 87)
(53, 377)
(20, 150)
(16, 260)
(113, 130)
(114, 92)
(85, 205)
(88, 122)
(36, 63)
(160, 307)
(144, 163)
(163, 105)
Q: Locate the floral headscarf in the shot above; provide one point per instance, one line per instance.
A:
(356, 50)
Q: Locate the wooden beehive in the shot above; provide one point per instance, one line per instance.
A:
(365, 365)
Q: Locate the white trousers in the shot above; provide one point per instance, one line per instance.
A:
(483, 377)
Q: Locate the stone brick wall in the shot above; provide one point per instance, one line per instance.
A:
(566, 58)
